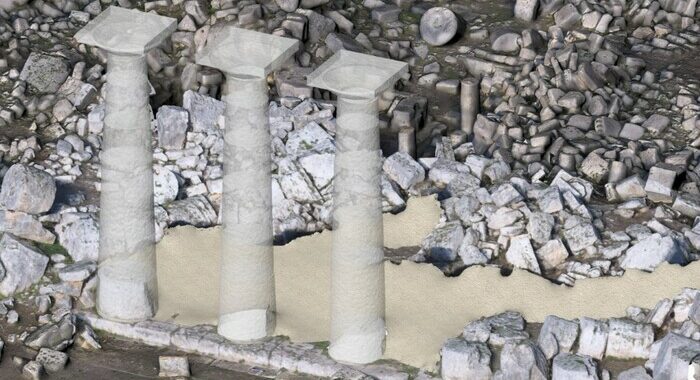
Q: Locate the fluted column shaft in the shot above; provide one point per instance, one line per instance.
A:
(127, 288)
(247, 298)
(357, 270)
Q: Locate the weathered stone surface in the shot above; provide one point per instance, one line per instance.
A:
(636, 373)
(25, 226)
(195, 211)
(579, 187)
(52, 360)
(297, 186)
(27, 189)
(658, 315)
(522, 361)
(505, 194)
(465, 360)
(79, 93)
(659, 185)
(497, 330)
(438, 26)
(526, 10)
(540, 226)
(552, 253)
(521, 255)
(550, 200)
(443, 242)
(630, 188)
(32, 370)
(45, 73)
(23, 265)
(574, 367)
(56, 336)
(165, 185)
(593, 338)
(653, 250)
(312, 138)
(404, 170)
(445, 171)
(557, 335)
(319, 167)
(628, 339)
(581, 236)
(506, 42)
(687, 204)
(663, 364)
(596, 168)
(694, 311)
(172, 123)
(204, 111)
(567, 16)
(471, 254)
(684, 363)
(173, 366)
(656, 124)
(78, 271)
(79, 234)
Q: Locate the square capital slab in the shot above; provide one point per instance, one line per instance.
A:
(126, 31)
(357, 75)
(244, 52)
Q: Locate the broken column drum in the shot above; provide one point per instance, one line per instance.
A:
(357, 272)
(127, 287)
(469, 103)
(247, 289)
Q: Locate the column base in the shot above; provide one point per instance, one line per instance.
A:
(247, 325)
(125, 301)
(360, 347)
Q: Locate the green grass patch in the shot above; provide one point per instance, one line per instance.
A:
(52, 249)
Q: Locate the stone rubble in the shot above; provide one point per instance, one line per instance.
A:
(582, 161)
(582, 348)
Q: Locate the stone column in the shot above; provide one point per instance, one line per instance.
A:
(357, 271)
(247, 295)
(127, 285)
(469, 103)
(247, 289)
(357, 262)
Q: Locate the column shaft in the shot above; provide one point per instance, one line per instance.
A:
(469, 103)
(357, 270)
(407, 141)
(247, 299)
(127, 288)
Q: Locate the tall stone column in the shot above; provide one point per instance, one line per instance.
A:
(127, 284)
(357, 271)
(247, 288)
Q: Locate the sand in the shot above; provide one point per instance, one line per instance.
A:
(424, 308)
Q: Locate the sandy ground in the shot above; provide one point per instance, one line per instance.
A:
(424, 307)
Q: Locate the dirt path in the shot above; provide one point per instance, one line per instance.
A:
(121, 359)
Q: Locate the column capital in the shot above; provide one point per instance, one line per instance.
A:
(126, 31)
(244, 52)
(356, 75)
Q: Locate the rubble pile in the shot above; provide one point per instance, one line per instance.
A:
(560, 137)
(663, 340)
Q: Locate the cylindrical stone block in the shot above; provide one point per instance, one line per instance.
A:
(127, 288)
(439, 25)
(357, 270)
(469, 103)
(247, 297)
(407, 141)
